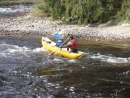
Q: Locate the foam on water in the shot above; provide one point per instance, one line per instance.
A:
(14, 9)
(72, 61)
(19, 49)
(6, 50)
(58, 60)
(39, 49)
(110, 58)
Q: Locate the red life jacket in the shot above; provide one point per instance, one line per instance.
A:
(74, 44)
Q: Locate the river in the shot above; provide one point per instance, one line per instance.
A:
(28, 71)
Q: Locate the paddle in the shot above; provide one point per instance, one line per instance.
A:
(59, 46)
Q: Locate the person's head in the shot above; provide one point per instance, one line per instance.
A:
(71, 37)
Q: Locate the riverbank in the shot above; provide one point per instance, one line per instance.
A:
(35, 26)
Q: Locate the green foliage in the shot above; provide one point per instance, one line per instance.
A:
(81, 11)
(85, 21)
(124, 14)
(88, 11)
(42, 10)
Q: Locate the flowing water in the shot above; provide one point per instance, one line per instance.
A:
(28, 71)
(14, 10)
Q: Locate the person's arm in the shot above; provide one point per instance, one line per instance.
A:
(67, 45)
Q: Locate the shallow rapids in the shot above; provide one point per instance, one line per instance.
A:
(28, 70)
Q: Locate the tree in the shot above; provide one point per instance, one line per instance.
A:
(87, 11)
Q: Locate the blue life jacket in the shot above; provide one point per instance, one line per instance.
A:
(59, 43)
(57, 36)
(58, 39)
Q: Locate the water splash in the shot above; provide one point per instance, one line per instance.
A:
(72, 61)
(110, 58)
(39, 49)
(7, 50)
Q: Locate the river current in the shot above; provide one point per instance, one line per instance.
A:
(27, 70)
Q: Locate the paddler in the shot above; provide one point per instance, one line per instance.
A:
(59, 38)
(72, 44)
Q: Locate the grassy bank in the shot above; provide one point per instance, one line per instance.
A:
(13, 2)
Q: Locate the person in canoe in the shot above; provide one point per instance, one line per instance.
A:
(72, 44)
(59, 38)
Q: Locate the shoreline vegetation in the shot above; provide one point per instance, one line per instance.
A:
(83, 12)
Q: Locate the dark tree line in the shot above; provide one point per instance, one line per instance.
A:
(87, 11)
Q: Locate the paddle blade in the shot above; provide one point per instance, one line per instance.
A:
(52, 54)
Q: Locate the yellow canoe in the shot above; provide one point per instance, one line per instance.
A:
(50, 45)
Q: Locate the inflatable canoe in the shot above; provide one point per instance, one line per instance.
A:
(50, 45)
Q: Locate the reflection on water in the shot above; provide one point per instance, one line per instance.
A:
(27, 70)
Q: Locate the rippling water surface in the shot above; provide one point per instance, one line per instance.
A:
(14, 10)
(28, 71)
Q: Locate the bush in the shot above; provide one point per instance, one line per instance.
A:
(87, 11)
